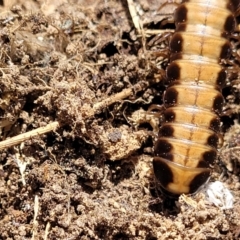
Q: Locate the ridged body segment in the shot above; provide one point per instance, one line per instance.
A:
(190, 134)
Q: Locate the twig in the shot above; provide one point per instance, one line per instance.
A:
(25, 136)
(35, 222)
(47, 231)
(119, 96)
(135, 17)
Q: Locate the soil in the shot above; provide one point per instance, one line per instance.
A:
(96, 69)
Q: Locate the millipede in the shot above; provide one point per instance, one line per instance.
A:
(190, 134)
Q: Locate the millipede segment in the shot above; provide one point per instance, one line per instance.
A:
(190, 134)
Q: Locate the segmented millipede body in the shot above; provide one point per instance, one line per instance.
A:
(190, 134)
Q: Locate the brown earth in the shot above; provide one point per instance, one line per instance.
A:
(84, 66)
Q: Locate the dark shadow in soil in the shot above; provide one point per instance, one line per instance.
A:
(163, 204)
(120, 171)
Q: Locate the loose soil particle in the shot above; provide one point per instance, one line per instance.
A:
(92, 177)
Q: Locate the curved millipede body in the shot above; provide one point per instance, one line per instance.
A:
(190, 134)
